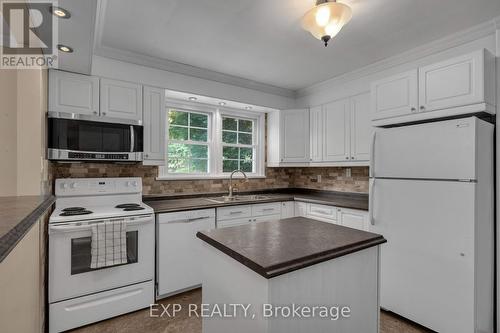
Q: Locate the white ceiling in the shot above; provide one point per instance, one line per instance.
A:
(262, 40)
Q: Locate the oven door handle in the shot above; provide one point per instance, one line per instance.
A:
(66, 227)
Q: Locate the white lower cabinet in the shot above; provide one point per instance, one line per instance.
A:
(352, 218)
(245, 214)
(322, 212)
(300, 209)
(287, 209)
(179, 251)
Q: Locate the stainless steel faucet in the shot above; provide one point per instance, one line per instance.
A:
(231, 181)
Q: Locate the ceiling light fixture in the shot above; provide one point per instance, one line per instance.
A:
(64, 48)
(326, 19)
(222, 103)
(60, 12)
(192, 98)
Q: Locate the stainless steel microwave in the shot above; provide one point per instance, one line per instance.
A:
(83, 140)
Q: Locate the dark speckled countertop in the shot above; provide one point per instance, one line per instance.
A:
(175, 203)
(17, 215)
(279, 247)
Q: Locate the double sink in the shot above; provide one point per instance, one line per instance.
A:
(238, 198)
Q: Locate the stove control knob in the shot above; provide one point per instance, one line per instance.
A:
(74, 185)
(134, 184)
(127, 184)
(64, 185)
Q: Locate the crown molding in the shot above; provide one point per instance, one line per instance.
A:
(459, 38)
(173, 66)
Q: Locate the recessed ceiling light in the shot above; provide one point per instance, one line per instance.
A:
(248, 108)
(222, 103)
(60, 12)
(64, 48)
(192, 98)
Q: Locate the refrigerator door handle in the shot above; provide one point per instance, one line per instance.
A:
(372, 155)
(370, 203)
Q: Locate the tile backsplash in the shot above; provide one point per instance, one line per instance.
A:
(331, 178)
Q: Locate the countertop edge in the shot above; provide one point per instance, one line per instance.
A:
(291, 266)
(290, 198)
(9, 240)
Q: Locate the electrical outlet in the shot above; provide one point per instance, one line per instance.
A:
(319, 178)
(348, 173)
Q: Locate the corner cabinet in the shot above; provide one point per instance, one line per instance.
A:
(73, 93)
(288, 137)
(154, 126)
(457, 86)
(120, 99)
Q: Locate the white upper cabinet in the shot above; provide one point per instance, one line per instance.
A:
(294, 135)
(457, 86)
(316, 134)
(455, 82)
(121, 99)
(336, 143)
(361, 129)
(395, 96)
(73, 93)
(154, 126)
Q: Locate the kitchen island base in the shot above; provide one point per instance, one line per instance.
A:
(346, 287)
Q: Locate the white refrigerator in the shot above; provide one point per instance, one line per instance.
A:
(432, 197)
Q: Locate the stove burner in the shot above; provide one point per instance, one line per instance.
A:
(128, 205)
(73, 209)
(75, 212)
(128, 209)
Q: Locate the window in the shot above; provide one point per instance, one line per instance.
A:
(188, 142)
(237, 144)
(204, 142)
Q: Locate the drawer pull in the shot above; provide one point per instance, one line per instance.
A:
(267, 209)
(234, 213)
(322, 212)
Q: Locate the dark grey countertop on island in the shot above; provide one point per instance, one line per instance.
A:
(17, 215)
(279, 247)
(175, 203)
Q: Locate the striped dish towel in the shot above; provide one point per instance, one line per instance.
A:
(109, 243)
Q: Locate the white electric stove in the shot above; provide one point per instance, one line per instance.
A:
(78, 294)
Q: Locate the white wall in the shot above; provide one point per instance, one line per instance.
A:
(23, 167)
(481, 36)
(8, 132)
(120, 70)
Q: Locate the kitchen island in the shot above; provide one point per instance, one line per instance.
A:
(290, 275)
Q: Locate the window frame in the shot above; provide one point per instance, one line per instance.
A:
(215, 145)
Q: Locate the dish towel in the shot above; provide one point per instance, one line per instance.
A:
(109, 243)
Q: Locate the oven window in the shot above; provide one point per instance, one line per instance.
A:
(81, 253)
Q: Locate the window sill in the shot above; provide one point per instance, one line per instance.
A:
(197, 177)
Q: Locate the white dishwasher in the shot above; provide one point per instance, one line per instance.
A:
(179, 250)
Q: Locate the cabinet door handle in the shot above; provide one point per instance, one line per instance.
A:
(422, 107)
(347, 157)
(95, 112)
(104, 113)
(413, 109)
(352, 158)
